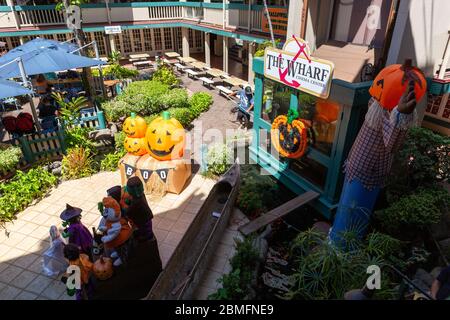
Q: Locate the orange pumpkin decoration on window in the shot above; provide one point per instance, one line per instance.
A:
(165, 138)
(390, 84)
(289, 135)
(135, 146)
(135, 126)
(103, 268)
(327, 111)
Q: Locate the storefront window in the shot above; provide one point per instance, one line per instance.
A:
(310, 170)
(276, 100)
(322, 116)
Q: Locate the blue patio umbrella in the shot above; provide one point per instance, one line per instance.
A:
(12, 89)
(43, 56)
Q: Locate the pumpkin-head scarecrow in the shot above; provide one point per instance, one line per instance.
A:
(289, 135)
(117, 230)
(391, 112)
(165, 138)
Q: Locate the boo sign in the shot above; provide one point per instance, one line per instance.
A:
(294, 67)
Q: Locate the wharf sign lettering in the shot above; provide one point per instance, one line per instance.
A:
(279, 19)
(294, 67)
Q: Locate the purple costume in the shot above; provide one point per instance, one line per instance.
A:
(80, 236)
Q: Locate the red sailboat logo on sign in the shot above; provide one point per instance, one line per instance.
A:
(283, 73)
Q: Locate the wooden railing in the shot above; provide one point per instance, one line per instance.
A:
(42, 17)
(161, 13)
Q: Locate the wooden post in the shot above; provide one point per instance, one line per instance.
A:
(101, 120)
(62, 139)
(26, 150)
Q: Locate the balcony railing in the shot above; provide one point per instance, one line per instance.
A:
(46, 15)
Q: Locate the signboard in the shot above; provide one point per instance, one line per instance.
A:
(279, 18)
(113, 29)
(294, 67)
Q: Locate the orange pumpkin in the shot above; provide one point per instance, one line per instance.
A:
(327, 111)
(165, 138)
(135, 126)
(289, 136)
(103, 268)
(390, 84)
(135, 146)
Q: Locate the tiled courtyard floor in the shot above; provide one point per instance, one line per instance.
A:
(24, 241)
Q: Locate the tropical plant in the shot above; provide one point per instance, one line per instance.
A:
(200, 102)
(219, 158)
(175, 98)
(9, 157)
(262, 46)
(165, 74)
(78, 163)
(116, 71)
(70, 110)
(78, 137)
(114, 57)
(17, 193)
(111, 161)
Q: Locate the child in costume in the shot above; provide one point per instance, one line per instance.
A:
(117, 230)
(75, 257)
(77, 233)
(54, 262)
(138, 211)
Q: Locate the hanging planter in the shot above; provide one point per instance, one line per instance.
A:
(289, 135)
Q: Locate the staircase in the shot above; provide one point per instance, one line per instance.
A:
(234, 53)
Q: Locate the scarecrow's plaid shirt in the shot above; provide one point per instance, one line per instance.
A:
(371, 156)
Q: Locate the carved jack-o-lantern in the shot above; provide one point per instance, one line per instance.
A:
(103, 268)
(135, 126)
(289, 135)
(390, 84)
(135, 146)
(165, 138)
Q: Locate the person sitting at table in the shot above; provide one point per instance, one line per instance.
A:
(41, 84)
(47, 108)
(246, 103)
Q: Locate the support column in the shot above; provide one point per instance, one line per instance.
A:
(21, 40)
(112, 43)
(251, 52)
(225, 54)
(185, 35)
(207, 49)
(295, 18)
(10, 3)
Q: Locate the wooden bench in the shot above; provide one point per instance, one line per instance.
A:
(191, 73)
(207, 82)
(180, 67)
(278, 212)
(224, 91)
(142, 64)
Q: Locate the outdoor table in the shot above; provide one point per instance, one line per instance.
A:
(111, 85)
(171, 54)
(180, 67)
(215, 73)
(235, 82)
(141, 56)
(142, 64)
(171, 61)
(186, 59)
(199, 65)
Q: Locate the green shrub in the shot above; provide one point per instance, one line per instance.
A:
(415, 211)
(19, 192)
(236, 284)
(116, 71)
(200, 102)
(175, 98)
(219, 158)
(111, 161)
(184, 115)
(78, 163)
(119, 139)
(78, 137)
(165, 75)
(9, 158)
(115, 109)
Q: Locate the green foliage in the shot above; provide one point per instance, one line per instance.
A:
(9, 157)
(184, 115)
(116, 71)
(262, 46)
(418, 210)
(19, 192)
(78, 137)
(165, 74)
(200, 102)
(141, 97)
(175, 98)
(235, 285)
(256, 192)
(119, 139)
(422, 160)
(114, 57)
(219, 158)
(70, 111)
(78, 163)
(111, 161)
(323, 271)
